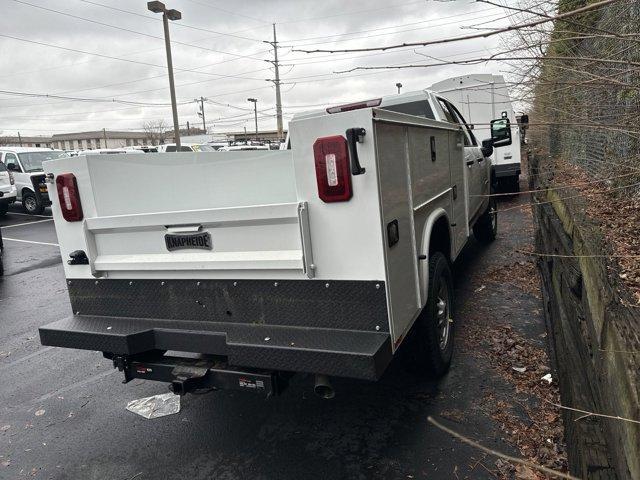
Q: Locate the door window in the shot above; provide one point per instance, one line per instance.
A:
(464, 122)
(9, 159)
(453, 116)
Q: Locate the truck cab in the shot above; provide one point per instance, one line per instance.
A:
(25, 165)
(428, 104)
(483, 98)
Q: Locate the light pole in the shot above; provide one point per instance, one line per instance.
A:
(255, 112)
(158, 7)
(399, 85)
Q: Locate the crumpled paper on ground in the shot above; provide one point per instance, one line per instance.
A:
(156, 406)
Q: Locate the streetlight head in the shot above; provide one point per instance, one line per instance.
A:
(252, 100)
(398, 85)
(156, 7)
(173, 14)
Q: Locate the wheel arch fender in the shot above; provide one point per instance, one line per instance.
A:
(26, 190)
(438, 228)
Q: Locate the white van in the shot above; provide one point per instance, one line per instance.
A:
(25, 164)
(482, 98)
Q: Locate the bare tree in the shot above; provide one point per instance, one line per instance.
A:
(155, 131)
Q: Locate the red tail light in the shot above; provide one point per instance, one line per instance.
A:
(331, 156)
(69, 197)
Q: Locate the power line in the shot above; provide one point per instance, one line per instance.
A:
(174, 42)
(80, 99)
(230, 12)
(571, 13)
(390, 27)
(177, 24)
(493, 16)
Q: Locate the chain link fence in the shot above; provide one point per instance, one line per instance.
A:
(587, 110)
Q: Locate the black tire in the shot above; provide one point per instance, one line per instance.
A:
(30, 204)
(486, 228)
(431, 340)
(4, 207)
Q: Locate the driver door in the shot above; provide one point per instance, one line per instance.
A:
(475, 163)
(21, 179)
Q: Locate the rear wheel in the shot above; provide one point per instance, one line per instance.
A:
(486, 227)
(431, 342)
(31, 205)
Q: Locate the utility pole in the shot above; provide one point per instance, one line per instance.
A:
(19, 139)
(255, 112)
(201, 101)
(276, 81)
(104, 135)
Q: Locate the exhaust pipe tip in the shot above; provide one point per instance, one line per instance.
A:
(323, 387)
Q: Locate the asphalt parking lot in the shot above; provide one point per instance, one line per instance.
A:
(62, 412)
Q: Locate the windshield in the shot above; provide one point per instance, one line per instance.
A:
(32, 161)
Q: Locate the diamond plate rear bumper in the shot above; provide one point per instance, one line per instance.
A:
(344, 353)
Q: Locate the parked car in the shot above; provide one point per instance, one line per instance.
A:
(238, 148)
(324, 259)
(7, 189)
(186, 147)
(218, 145)
(108, 151)
(25, 164)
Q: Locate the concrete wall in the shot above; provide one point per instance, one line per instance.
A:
(594, 337)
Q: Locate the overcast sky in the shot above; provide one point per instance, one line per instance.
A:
(225, 57)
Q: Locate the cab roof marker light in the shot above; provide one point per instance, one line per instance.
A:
(355, 106)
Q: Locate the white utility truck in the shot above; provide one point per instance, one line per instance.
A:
(323, 258)
(482, 98)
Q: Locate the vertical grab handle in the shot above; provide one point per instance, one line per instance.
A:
(432, 141)
(355, 136)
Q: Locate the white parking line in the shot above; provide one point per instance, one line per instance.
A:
(27, 223)
(29, 241)
(28, 215)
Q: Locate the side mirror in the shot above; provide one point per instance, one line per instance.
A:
(12, 167)
(487, 147)
(501, 132)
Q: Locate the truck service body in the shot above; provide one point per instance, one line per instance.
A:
(314, 259)
(481, 98)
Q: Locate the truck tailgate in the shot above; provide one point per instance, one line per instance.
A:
(244, 204)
